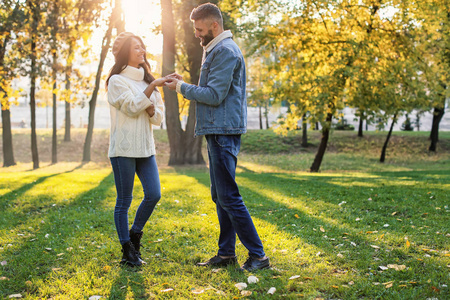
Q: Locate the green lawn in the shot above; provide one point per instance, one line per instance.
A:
(344, 233)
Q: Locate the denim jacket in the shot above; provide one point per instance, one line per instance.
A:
(221, 103)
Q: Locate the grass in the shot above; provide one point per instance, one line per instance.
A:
(333, 229)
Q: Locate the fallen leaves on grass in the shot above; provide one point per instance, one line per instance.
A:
(15, 296)
(4, 278)
(167, 290)
(388, 284)
(4, 263)
(374, 247)
(246, 293)
(252, 279)
(408, 244)
(321, 229)
(272, 291)
(241, 285)
(96, 297)
(294, 277)
(396, 267)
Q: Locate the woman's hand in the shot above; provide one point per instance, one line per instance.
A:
(159, 81)
(174, 76)
(150, 110)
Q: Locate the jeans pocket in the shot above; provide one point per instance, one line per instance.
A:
(230, 143)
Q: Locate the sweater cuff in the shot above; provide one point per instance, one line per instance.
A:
(179, 83)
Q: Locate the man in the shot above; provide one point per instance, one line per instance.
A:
(221, 110)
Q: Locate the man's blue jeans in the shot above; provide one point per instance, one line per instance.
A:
(234, 217)
(124, 169)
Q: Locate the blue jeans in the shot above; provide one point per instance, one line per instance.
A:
(234, 217)
(124, 169)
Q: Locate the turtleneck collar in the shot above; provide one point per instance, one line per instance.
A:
(133, 73)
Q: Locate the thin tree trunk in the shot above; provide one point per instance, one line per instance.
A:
(434, 135)
(54, 127)
(260, 117)
(304, 132)
(114, 18)
(383, 151)
(68, 121)
(323, 144)
(266, 113)
(361, 124)
(34, 150)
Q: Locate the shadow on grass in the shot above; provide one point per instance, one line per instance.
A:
(68, 237)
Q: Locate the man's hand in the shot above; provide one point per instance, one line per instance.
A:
(174, 76)
(150, 110)
(171, 83)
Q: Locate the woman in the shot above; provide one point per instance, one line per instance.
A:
(136, 105)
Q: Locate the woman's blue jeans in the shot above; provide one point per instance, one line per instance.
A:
(124, 169)
(234, 217)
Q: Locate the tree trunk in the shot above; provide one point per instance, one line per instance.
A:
(434, 135)
(54, 127)
(34, 34)
(323, 144)
(68, 121)
(8, 153)
(361, 124)
(260, 118)
(193, 151)
(383, 151)
(114, 20)
(266, 113)
(304, 132)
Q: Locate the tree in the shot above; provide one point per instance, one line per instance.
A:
(35, 16)
(115, 21)
(11, 16)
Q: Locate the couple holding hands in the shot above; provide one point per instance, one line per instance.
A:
(221, 106)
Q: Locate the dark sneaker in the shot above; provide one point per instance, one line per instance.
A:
(253, 264)
(217, 261)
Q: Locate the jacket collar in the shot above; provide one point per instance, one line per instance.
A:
(133, 73)
(224, 35)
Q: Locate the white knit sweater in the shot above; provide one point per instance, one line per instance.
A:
(131, 126)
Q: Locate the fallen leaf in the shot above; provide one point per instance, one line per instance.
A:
(48, 249)
(95, 297)
(307, 278)
(106, 268)
(402, 285)
(394, 213)
(435, 289)
(351, 283)
(335, 286)
(56, 269)
(374, 247)
(47, 235)
(15, 296)
(271, 291)
(294, 277)
(396, 267)
(252, 279)
(60, 254)
(241, 285)
(386, 225)
(382, 236)
(340, 255)
(357, 219)
(167, 290)
(321, 229)
(296, 216)
(198, 291)
(383, 268)
(4, 263)
(4, 278)
(408, 244)
(246, 293)
(353, 244)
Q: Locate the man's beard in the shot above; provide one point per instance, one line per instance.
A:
(207, 38)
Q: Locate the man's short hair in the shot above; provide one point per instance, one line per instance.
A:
(207, 11)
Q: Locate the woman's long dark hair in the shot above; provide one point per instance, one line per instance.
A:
(122, 61)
